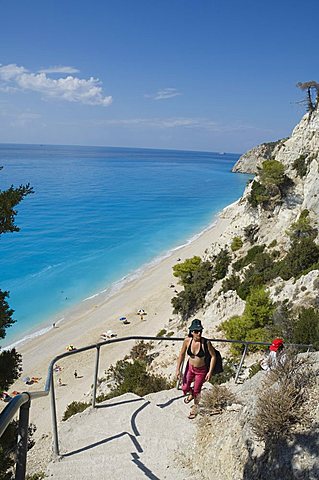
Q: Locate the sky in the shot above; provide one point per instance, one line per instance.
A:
(174, 74)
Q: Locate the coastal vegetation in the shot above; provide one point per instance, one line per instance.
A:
(301, 166)
(251, 325)
(198, 277)
(131, 374)
(236, 244)
(217, 399)
(73, 408)
(271, 187)
(250, 275)
(281, 416)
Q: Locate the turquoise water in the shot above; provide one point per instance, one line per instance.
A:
(97, 215)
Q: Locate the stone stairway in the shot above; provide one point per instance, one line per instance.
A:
(128, 437)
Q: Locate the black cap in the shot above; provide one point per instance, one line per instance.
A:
(196, 325)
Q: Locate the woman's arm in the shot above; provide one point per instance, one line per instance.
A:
(212, 361)
(181, 356)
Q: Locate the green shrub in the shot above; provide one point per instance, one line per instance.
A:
(231, 283)
(306, 327)
(301, 166)
(134, 377)
(260, 334)
(249, 257)
(221, 264)
(140, 350)
(259, 194)
(250, 326)
(272, 185)
(303, 255)
(236, 244)
(185, 303)
(73, 408)
(36, 476)
(254, 368)
(273, 244)
(161, 333)
(272, 172)
(8, 448)
(235, 328)
(302, 228)
(189, 300)
(170, 334)
(104, 396)
(262, 270)
(184, 270)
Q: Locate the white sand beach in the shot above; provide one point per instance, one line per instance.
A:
(84, 324)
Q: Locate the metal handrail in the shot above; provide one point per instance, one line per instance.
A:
(23, 400)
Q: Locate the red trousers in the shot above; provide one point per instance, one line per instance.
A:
(196, 375)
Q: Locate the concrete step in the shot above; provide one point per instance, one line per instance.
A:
(128, 436)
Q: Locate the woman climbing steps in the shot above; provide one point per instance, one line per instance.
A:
(196, 369)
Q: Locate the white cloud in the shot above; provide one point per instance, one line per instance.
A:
(59, 69)
(164, 94)
(71, 89)
(182, 122)
(164, 122)
(24, 119)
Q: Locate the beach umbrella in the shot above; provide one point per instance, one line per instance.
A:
(122, 319)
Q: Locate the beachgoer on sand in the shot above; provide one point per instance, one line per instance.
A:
(196, 371)
(75, 374)
(108, 334)
(5, 397)
(141, 312)
(70, 348)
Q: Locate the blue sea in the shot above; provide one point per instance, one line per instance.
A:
(98, 215)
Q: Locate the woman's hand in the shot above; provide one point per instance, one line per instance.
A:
(208, 376)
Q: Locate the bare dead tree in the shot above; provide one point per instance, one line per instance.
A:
(312, 94)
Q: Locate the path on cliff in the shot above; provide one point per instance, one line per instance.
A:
(128, 437)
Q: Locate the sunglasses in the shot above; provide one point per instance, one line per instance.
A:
(197, 331)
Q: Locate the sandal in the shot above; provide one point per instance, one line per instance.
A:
(192, 413)
(188, 399)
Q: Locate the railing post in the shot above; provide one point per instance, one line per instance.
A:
(241, 362)
(54, 417)
(22, 446)
(96, 373)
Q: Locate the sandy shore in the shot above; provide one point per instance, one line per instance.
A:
(84, 324)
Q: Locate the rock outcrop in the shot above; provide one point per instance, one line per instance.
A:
(227, 447)
(251, 160)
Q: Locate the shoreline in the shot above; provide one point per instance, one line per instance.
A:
(152, 291)
(83, 323)
(47, 325)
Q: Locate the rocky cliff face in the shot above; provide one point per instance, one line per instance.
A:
(251, 160)
(227, 448)
(273, 225)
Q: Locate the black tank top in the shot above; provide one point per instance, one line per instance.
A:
(200, 354)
